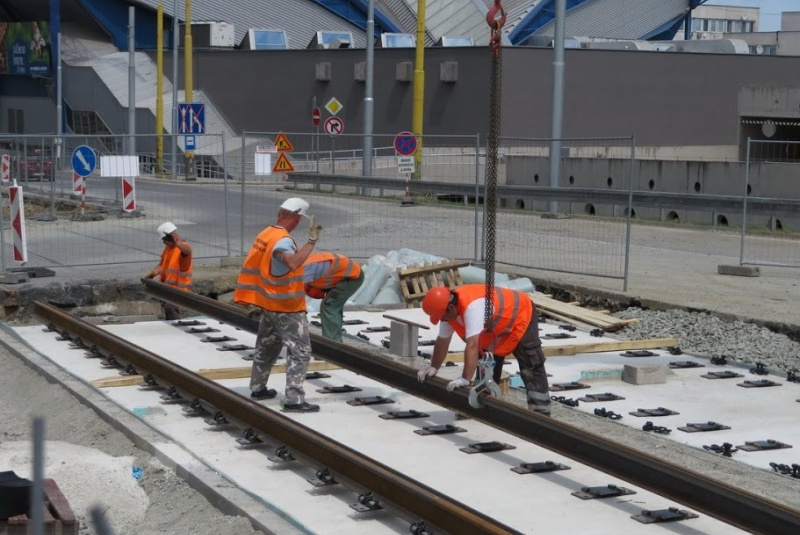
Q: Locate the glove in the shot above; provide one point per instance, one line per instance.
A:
(427, 371)
(314, 230)
(150, 275)
(457, 383)
(254, 313)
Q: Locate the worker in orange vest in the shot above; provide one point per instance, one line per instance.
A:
(271, 279)
(176, 267)
(334, 278)
(514, 330)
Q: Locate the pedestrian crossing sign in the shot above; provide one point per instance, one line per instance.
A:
(282, 143)
(283, 164)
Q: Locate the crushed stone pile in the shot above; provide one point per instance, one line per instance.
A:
(700, 333)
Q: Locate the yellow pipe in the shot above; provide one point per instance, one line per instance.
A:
(187, 65)
(159, 87)
(187, 45)
(419, 88)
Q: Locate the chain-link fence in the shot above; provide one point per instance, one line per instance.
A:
(70, 227)
(771, 171)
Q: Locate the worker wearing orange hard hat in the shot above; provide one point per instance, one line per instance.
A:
(514, 330)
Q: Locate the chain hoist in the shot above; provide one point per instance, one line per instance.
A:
(496, 18)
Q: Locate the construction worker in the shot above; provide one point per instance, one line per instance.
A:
(176, 266)
(272, 280)
(332, 278)
(515, 329)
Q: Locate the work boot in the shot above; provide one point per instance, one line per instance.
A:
(300, 407)
(264, 393)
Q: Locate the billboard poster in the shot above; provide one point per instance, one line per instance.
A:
(25, 48)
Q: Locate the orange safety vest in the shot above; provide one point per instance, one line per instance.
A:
(257, 285)
(513, 311)
(171, 272)
(341, 268)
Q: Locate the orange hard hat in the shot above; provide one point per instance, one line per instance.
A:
(435, 303)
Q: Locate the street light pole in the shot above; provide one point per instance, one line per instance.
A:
(369, 102)
(174, 141)
(558, 101)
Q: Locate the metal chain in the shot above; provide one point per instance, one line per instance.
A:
(496, 17)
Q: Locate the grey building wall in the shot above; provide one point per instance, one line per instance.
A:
(660, 98)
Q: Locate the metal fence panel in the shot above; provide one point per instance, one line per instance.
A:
(366, 221)
(575, 237)
(769, 240)
(57, 233)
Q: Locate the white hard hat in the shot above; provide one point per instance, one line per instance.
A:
(166, 228)
(296, 205)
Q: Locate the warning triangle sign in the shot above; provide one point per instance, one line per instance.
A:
(283, 165)
(282, 143)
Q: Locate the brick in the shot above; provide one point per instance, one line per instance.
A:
(61, 508)
(739, 271)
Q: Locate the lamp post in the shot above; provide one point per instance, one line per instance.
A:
(369, 102)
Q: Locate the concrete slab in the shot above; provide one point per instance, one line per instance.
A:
(739, 271)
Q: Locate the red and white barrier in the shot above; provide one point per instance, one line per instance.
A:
(77, 183)
(128, 194)
(5, 168)
(18, 223)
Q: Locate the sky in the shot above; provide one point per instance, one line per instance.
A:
(770, 17)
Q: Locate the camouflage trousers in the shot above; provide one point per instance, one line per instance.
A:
(531, 359)
(276, 330)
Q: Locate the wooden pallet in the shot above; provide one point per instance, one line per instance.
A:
(57, 515)
(416, 281)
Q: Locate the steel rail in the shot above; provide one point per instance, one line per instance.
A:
(713, 497)
(396, 488)
(682, 201)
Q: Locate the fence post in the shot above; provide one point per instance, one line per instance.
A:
(225, 193)
(744, 201)
(241, 223)
(630, 216)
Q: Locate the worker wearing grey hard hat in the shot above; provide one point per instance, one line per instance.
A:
(271, 279)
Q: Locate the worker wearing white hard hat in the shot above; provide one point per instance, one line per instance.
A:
(271, 280)
(176, 266)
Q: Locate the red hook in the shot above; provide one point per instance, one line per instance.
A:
(492, 19)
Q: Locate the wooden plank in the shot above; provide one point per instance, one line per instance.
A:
(570, 350)
(596, 319)
(215, 374)
(407, 321)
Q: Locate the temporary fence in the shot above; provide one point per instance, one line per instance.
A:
(365, 214)
(561, 225)
(770, 238)
(65, 228)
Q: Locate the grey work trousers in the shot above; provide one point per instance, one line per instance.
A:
(276, 330)
(531, 359)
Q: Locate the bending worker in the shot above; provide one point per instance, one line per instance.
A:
(332, 278)
(272, 280)
(176, 266)
(515, 330)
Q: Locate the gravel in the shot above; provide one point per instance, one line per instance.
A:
(703, 334)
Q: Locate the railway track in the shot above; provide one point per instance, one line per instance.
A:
(420, 505)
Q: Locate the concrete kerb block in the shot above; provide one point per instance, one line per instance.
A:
(739, 271)
(645, 374)
(231, 261)
(403, 339)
